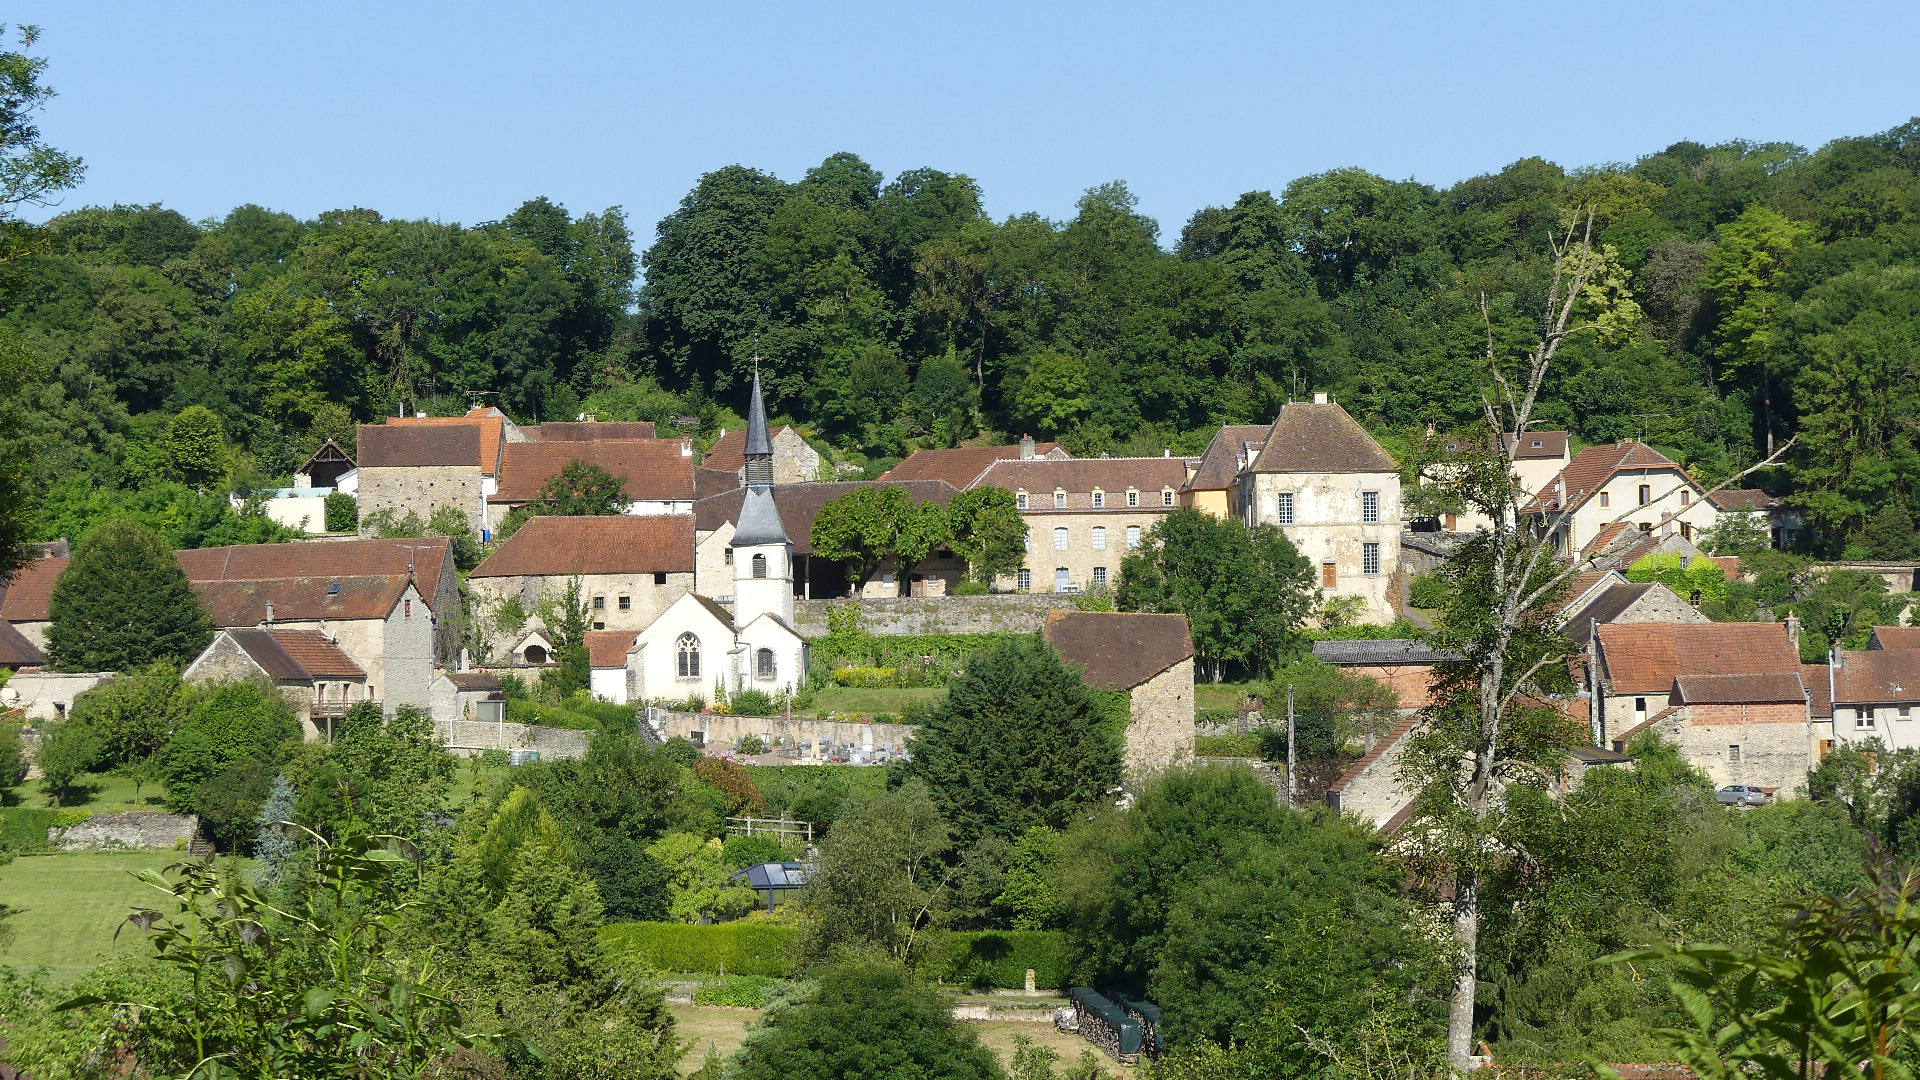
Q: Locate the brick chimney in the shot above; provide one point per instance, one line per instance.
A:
(1026, 448)
(1320, 397)
(1793, 630)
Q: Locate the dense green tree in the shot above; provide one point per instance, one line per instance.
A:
(881, 880)
(1019, 741)
(233, 733)
(123, 602)
(582, 488)
(988, 532)
(864, 1021)
(381, 775)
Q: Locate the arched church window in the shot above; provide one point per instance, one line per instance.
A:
(759, 566)
(688, 650)
(763, 664)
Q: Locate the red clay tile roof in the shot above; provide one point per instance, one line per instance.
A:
(650, 469)
(1729, 565)
(16, 651)
(616, 544)
(1873, 676)
(1225, 456)
(244, 603)
(414, 442)
(729, 453)
(590, 430)
(1819, 691)
(1590, 470)
(1744, 499)
(1119, 650)
(28, 595)
(1380, 747)
(1085, 474)
(800, 504)
(302, 655)
(429, 556)
(608, 648)
(1540, 444)
(1766, 688)
(1895, 637)
(1645, 658)
(1306, 437)
(960, 466)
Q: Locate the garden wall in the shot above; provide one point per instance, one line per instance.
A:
(717, 729)
(473, 736)
(48, 695)
(147, 830)
(1007, 612)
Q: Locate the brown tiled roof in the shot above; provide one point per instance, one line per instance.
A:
(800, 504)
(244, 603)
(16, 651)
(1589, 471)
(28, 595)
(710, 482)
(1223, 459)
(1765, 688)
(1086, 474)
(429, 557)
(1743, 499)
(1819, 691)
(1307, 437)
(1540, 444)
(1380, 747)
(1877, 675)
(590, 430)
(648, 468)
(1119, 650)
(615, 544)
(1729, 565)
(729, 452)
(302, 655)
(416, 442)
(1579, 585)
(1895, 637)
(473, 680)
(1645, 658)
(960, 466)
(608, 648)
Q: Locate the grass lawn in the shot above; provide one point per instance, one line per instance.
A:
(1226, 695)
(702, 1026)
(866, 702)
(100, 793)
(68, 907)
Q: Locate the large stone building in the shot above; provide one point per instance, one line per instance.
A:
(1150, 657)
(1083, 514)
(1753, 729)
(630, 570)
(794, 461)
(416, 467)
(1323, 480)
(1635, 664)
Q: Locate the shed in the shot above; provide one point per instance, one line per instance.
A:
(773, 880)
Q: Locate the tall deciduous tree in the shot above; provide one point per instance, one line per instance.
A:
(123, 602)
(582, 488)
(987, 531)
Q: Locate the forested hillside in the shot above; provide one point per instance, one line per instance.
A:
(1748, 293)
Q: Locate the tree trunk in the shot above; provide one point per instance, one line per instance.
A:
(1466, 941)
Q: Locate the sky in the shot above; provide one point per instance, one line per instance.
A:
(461, 111)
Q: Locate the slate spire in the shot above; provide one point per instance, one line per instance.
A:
(759, 518)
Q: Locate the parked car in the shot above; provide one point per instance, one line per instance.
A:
(1743, 795)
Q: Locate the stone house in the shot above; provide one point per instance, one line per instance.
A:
(1783, 522)
(1210, 488)
(1739, 729)
(1875, 695)
(420, 464)
(715, 518)
(1371, 788)
(469, 696)
(1625, 602)
(1537, 459)
(657, 474)
(1083, 515)
(1407, 667)
(961, 466)
(630, 569)
(1150, 657)
(1626, 482)
(1634, 665)
(794, 461)
(1335, 492)
(310, 669)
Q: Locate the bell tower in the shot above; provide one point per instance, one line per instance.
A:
(762, 552)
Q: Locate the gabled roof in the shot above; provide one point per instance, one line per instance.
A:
(1873, 676)
(428, 557)
(1819, 692)
(295, 655)
(244, 603)
(1612, 603)
(472, 680)
(1311, 437)
(961, 466)
(27, 596)
(1380, 748)
(710, 482)
(1539, 444)
(800, 504)
(328, 453)
(1583, 588)
(608, 648)
(1590, 470)
(1085, 474)
(649, 469)
(1119, 650)
(614, 544)
(1381, 651)
(1895, 637)
(1645, 658)
(590, 430)
(1745, 499)
(1230, 449)
(1764, 688)
(728, 454)
(16, 651)
(418, 442)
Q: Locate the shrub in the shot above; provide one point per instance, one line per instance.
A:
(494, 757)
(681, 751)
(1226, 746)
(997, 958)
(23, 830)
(735, 948)
(744, 851)
(971, 588)
(751, 744)
(816, 793)
(739, 991)
(1427, 591)
(732, 780)
(867, 677)
(1215, 716)
(754, 703)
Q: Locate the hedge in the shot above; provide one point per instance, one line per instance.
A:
(738, 991)
(735, 948)
(23, 830)
(997, 958)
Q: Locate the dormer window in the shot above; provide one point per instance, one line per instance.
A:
(1020, 499)
(1166, 496)
(1133, 497)
(1059, 499)
(1537, 444)
(1099, 499)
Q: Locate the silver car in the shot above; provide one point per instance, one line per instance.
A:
(1743, 795)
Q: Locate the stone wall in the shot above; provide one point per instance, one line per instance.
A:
(145, 830)
(423, 490)
(1006, 612)
(48, 696)
(467, 736)
(715, 729)
(1662, 605)
(1776, 743)
(1328, 530)
(1160, 727)
(1096, 540)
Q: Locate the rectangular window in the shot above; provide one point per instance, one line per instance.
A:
(1099, 500)
(1133, 536)
(1020, 500)
(1369, 558)
(1099, 577)
(1686, 531)
(1166, 498)
(1646, 494)
(1906, 712)
(1133, 498)
(1733, 754)
(1863, 718)
(1283, 509)
(1099, 538)
(599, 603)
(1061, 580)
(1370, 508)
(1606, 500)
(660, 577)
(1329, 575)
(1686, 497)
(1059, 500)
(626, 603)
(1025, 579)
(1060, 538)
(1826, 747)
(1029, 541)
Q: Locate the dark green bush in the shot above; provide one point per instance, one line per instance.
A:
(1428, 591)
(1226, 746)
(735, 948)
(753, 703)
(753, 850)
(738, 991)
(997, 958)
(23, 830)
(816, 793)
(970, 588)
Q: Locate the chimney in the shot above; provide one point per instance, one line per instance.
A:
(268, 621)
(466, 659)
(1026, 448)
(1320, 397)
(1793, 630)
(1168, 452)
(686, 446)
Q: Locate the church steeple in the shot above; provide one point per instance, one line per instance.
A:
(759, 518)
(762, 552)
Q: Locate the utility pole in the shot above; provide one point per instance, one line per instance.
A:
(1290, 784)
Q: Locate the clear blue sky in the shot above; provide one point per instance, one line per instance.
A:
(460, 111)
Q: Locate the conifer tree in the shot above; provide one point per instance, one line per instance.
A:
(124, 602)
